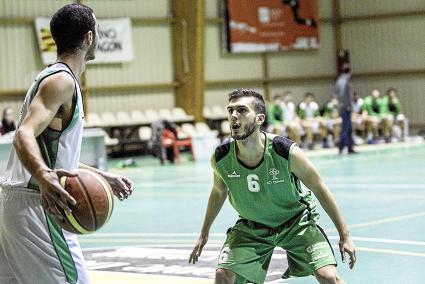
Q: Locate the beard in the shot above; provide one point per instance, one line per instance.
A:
(91, 52)
(249, 129)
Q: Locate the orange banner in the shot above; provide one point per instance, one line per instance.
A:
(271, 25)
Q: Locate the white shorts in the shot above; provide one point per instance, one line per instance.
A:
(34, 249)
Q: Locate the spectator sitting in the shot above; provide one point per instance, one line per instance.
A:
(358, 119)
(308, 111)
(378, 117)
(394, 108)
(275, 116)
(332, 118)
(7, 122)
(294, 129)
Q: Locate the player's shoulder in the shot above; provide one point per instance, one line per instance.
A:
(281, 145)
(222, 150)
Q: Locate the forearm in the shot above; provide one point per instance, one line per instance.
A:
(87, 167)
(330, 206)
(29, 153)
(215, 203)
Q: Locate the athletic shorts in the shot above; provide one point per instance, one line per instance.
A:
(249, 247)
(34, 249)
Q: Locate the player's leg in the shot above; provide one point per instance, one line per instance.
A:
(307, 247)
(328, 275)
(34, 243)
(245, 255)
(224, 276)
(6, 274)
(307, 126)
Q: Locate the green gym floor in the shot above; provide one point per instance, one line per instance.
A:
(381, 192)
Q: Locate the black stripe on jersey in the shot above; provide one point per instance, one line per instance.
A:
(282, 145)
(222, 150)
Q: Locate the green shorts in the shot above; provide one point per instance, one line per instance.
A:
(249, 247)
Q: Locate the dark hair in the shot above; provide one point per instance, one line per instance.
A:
(308, 94)
(69, 25)
(259, 104)
(275, 97)
(391, 89)
(345, 68)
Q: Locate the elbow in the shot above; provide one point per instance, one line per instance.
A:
(17, 139)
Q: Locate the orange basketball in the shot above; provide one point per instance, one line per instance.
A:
(94, 202)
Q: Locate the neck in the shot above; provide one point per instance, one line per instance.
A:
(251, 148)
(76, 62)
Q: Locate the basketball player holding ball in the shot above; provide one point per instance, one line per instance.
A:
(33, 247)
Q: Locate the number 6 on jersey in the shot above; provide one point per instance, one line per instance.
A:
(253, 184)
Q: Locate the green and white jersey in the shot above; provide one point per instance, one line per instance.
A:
(270, 193)
(60, 149)
(308, 110)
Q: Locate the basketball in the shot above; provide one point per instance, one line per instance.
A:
(94, 202)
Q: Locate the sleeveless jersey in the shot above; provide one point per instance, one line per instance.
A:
(270, 193)
(59, 149)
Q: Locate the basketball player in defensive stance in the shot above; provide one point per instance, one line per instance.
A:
(33, 248)
(261, 174)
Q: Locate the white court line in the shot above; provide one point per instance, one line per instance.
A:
(107, 235)
(377, 185)
(156, 237)
(387, 251)
(141, 241)
(365, 249)
(382, 221)
(384, 241)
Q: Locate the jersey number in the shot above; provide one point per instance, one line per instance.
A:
(253, 184)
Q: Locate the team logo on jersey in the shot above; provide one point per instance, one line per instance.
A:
(233, 175)
(275, 179)
(274, 172)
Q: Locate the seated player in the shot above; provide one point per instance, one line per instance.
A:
(308, 111)
(332, 119)
(294, 130)
(358, 119)
(261, 173)
(394, 108)
(378, 118)
(275, 116)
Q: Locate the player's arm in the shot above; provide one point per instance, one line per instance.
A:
(52, 93)
(307, 173)
(215, 202)
(121, 186)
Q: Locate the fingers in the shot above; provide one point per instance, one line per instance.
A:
(129, 184)
(51, 207)
(62, 193)
(193, 255)
(353, 259)
(124, 188)
(341, 250)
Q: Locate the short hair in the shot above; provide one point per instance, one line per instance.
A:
(309, 94)
(277, 96)
(259, 104)
(69, 25)
(391, 89)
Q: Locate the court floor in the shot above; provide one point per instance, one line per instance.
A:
(381, 192)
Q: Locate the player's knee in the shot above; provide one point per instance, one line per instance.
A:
(223, 276)
(327, 275)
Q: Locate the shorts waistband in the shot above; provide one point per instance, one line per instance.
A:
(257, 225)
(25, 190)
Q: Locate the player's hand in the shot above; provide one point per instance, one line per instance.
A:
(53, 196)
(196, 253)
(121, 186)
(346, 245)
